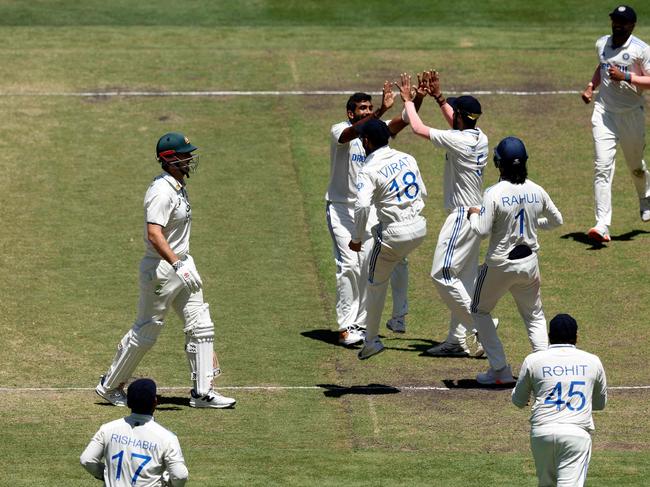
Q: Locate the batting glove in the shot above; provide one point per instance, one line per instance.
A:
(186, 271)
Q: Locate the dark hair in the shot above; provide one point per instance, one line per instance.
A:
(376, 131)
(515, 173)
(468, 123)
(355, 99)
(563, 328)
(141, 396)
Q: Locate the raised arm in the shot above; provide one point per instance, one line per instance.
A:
(434, 90)
(412, 116)
(418, 93)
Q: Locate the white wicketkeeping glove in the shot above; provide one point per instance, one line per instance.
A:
(186, 271)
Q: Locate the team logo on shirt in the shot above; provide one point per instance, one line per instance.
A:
(626, 56)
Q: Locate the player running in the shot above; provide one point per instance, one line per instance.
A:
(169, 279)
(391, 182)
(455, 261)
(512, 211)
(566, 385)
(623, 72)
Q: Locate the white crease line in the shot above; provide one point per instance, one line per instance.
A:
(288, 388)
(101, 94)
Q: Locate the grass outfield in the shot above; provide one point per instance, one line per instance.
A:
(77, 169)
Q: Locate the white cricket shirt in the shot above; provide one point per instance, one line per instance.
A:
(467, 154)
(566, 384)
(633, 57)
(346, 160)
(391, 181)
(511, 214)
(135, 451)
(167, 204)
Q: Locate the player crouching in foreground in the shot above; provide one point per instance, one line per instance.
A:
(567, 384)
(136, 449)
(169, 279)
(512, 211)
(391, 181)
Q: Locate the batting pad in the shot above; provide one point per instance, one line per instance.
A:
(133, 346)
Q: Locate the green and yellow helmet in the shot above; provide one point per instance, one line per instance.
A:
(173, 144)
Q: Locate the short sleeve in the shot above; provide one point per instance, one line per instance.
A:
(158, 207)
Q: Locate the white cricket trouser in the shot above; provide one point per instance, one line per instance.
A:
(522, 278)
(561, 453)
(628, 129)
(160, 290)
(352, 270)
(393, 244)
(455, 264)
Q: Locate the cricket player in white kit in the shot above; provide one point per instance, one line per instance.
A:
(566, 385)
(622, 73)
(391, 182)
(347, 157)
(135, 450)
(513, 210)
(169, 279)
(455, 261)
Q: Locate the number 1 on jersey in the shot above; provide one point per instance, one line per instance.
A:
(520, 215)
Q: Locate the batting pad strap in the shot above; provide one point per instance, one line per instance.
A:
(200, 355)
(198, 323)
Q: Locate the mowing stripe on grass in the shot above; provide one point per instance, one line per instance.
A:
(96, 94)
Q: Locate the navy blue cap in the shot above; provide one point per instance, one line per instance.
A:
(141, 395)
(624, 13)
(563, 328)
(512, 150)
(467, 105)
(374, 130)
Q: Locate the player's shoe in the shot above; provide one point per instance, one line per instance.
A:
(351, 336)
(599, 234)
(474, 343)
(447, 349)
(370, 348)
(397, 324)
(644, 208)
(115, 396)
(211, 400)
(496, 377)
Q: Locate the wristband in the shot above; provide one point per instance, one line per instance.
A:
(440, 100)
(628, 77)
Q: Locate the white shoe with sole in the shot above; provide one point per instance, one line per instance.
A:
(397, 324)
(599, 234)
(496, 377)
(351, 336)
(115, 396)
(371, 348)
(211, 400)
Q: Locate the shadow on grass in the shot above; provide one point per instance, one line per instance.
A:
(323, 335)
(472, 384)
(333, 390)
(164, 401)
(583, 238)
